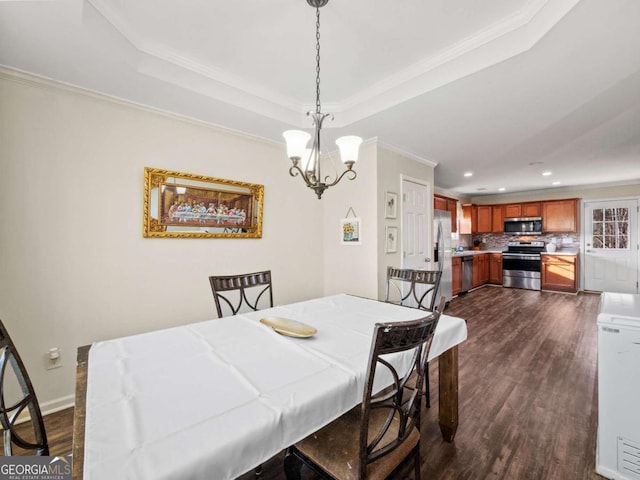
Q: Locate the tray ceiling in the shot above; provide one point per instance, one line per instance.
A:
(503, 88)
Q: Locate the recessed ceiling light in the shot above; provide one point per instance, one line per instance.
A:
(536, 163)
(555, 183)
(468, 174)
(546, 174)
(501, 189)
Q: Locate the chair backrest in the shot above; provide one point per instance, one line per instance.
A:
(390, 416)
(251, 290)
(413, 288)
(35, 439)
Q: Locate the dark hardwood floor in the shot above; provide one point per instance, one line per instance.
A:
(528, 405)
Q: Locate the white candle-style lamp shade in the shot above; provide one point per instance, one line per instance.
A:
(296, 143)
(349, 147)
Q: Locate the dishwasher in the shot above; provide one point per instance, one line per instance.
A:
(467, 273)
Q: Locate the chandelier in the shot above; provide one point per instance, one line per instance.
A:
(306, 162)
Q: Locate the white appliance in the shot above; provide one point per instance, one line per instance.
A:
(442, 251)
(618, 446)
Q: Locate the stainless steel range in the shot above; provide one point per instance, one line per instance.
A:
(521, 265)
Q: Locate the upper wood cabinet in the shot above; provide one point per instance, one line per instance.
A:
(468, 221)
(497, 219)
(483, 220)
(476, 218)
(450, 205)
(518, 210)
(439, 203)
(513, 210)
(560, 216)
(531, 209)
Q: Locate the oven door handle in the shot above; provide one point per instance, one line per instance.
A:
(520, 256)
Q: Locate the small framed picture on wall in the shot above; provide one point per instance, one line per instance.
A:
(390, 205)
(391, 239)
(350, 231)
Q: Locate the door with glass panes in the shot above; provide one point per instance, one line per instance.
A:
(611, 246)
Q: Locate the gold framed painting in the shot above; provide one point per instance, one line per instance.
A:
(187, 205)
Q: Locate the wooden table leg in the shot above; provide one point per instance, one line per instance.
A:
(448, 393)
(79, 412)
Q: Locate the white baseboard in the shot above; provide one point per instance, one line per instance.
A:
(58, 404)
(49, 407)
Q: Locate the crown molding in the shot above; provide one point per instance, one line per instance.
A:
(405, 153)
(510, 36)
(32, 80)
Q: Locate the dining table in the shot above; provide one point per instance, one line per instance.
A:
(217, 398)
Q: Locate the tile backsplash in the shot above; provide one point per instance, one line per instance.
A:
(496, 241)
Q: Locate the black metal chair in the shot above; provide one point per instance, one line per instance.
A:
(410, 287)
(234, 292)
(413, 288)
(28, 439)
(373, 439)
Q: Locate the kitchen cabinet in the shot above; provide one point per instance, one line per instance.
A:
(439, 203)
(495, 268)
(480, 269)
(468, 221)
(531, 209)
(518, 210)
(476, 271)
(456, 275)
(560, 216)
(450, 205)
(475, 219)
(559, 272)
(513, 210)
(484, 261)
(497, 219)
(483, 219)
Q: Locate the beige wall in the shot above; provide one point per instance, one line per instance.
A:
(352, 268)
(74, 267)
(392, 166)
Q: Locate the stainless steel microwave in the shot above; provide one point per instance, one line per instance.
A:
(523, 226)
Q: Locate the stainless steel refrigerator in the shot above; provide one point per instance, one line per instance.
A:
(442, 251)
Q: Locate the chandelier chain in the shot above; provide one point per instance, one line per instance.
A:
(306, 162)
(317, 59)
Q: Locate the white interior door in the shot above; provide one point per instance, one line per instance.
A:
(416, 220)
(611, 246)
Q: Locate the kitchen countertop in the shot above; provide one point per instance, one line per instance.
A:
(468, 253)
(563, 251)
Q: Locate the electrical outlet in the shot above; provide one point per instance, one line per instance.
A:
(53, 358)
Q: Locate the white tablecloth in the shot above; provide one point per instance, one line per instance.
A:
(212, 400)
